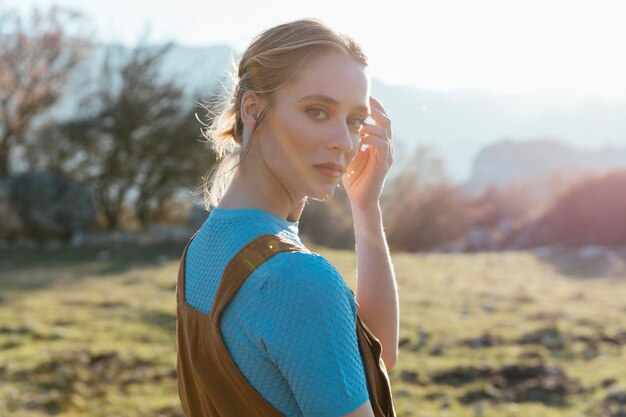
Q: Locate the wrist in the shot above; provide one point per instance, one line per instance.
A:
(372, 212)
(368, 228)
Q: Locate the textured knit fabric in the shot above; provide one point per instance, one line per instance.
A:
(274, 324)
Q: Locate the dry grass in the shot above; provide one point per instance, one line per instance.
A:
(495, 334)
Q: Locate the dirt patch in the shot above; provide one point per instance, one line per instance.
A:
(574, 346)
(614, 405)
(550, 337)
(411, 377)
(19, 329)
(618, 339)
(12, 337)
(461, 375)
(484, 341)
(513, 383)
(81, 373)
(170, 411)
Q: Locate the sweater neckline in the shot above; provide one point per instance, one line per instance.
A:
(230, 213)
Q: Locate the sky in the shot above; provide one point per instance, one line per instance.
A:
(557, 47)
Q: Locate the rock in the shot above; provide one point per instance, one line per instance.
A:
(25, 243)
(543, 252)
(44, 206)
(103, 255)
(592, 260)
(78, 239)
(157, 233)
(161, 259)
(53, 244)
(479, 238)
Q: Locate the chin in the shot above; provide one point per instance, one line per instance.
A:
(323, 193)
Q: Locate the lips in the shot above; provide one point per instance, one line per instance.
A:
(331, 170)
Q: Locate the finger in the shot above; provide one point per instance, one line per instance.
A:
(370, 129)
(383, 148)
(377, 103)
(358, 163)
(383, 145)
(376, 142)
(378, 113)
(381, 118)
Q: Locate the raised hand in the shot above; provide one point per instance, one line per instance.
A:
(366, 174)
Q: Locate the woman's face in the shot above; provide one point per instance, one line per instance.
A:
(315, 120)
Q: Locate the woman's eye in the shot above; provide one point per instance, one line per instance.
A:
(317, 113)
(356, 124)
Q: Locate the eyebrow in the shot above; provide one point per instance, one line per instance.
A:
(331, 101)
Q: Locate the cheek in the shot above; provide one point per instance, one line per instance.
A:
(297, 137)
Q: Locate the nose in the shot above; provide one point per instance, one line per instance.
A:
(343, 139)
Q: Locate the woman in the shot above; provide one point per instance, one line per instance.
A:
(293, 128)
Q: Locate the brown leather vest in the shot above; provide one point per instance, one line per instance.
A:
(209, 382)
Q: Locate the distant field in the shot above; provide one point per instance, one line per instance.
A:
(91, 333)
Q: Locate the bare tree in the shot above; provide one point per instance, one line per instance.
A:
(421, 208)
(138, 141)
(36, 56)
(592, 212)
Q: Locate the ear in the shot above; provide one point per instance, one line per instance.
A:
(250, 107)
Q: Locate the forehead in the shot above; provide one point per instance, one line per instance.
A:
(332, 74)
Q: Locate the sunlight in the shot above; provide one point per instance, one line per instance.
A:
(527, 47)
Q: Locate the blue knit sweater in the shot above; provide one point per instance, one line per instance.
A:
(291, 327)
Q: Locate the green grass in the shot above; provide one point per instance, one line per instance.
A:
(494, 334)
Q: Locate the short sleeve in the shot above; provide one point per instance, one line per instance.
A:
(308, 328)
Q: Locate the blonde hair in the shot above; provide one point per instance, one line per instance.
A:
(270, 62)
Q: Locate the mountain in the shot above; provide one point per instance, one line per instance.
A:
(460, 125)
(510, 161)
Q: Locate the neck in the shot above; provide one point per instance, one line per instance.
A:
(253, 189)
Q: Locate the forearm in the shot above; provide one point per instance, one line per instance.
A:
(376, 292)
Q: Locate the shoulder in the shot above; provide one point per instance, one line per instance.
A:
(304, 288)
(303, 275)
(301, 268)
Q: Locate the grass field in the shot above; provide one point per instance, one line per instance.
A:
(90, 332)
